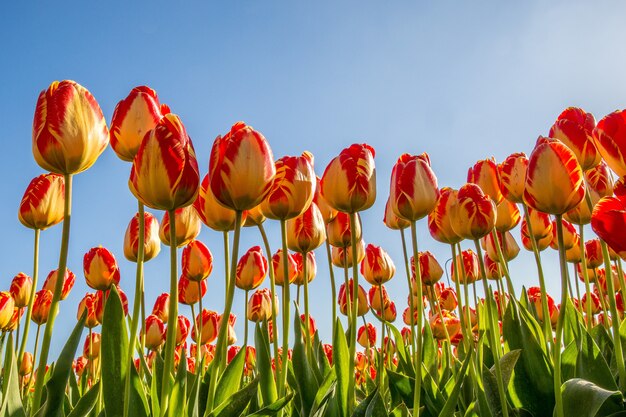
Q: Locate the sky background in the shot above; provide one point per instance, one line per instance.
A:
(460, 82)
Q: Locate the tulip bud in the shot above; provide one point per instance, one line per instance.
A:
(339, 233)
(7, 305)
(88, 305)
(69, 129)
(154, 332)
(253, 217)
(68, 282)
(100, 269)
(406, 316)
(231, 336)
(468, 267)
(446, 322)
(342, 257)
(554, 183)
(377, 266)
(79, 365)
(413, 192)
(91, 349)
(197, 261)
(542, 243)
(492, 267)
(349, 181)
(251, 269)
(570, 236)
(473, 213)
(430, 269)
(260, 305)
(20, 289)
(610, 139)
(187, 226)
(161, 307)
(328, 213)
(507, 216)
(312, 326)
(574, 127)
(293, 188)
(534, 296)
(311, 268)
(211, 212)
(439, 220)
(593, 253)
(189, 292)
(485, 174)
(447, 299)
(608, 221)
(182, 330)
(389, 313)
(391, 220)
(362, 307)
(307, 231)
(595, 303)
(41, 306)
(164, 175)
(133, 117)
(241, 168)
(26, 366)
(599, 179)
(374, 296)
(513, 177)
(151, 243)
(508, 246)
(209, 321)
(366, 336)
(279, 271)
(43, 202)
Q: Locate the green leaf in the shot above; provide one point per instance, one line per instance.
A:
(361, 409)
(264, 365)
(507, 365)
(139, 406)
(341, 364)
(86, 403)
(237, 402)
(324, 392)
(400, 411)
(11, 404)
(451, 402)
(405, 364)
(155, 390)
(376, 407)
(113, 351)
(274, 408)
(306, 383)
(429, 354)
(585, 399)
(582, 359)
(401, 386)
(178, 401)
(231, 378)
(55, 386)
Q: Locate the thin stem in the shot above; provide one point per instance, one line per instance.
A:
(266, 243)
(306, 301)
(34, 354)
(333, 288)
(503, 263)
(286, 305)
(199, 339)
(54, 306)
(172, 318)
(245, 317)
(31, 299)
(136, 303)
(457, 285)
(353, 318)
(559, 323)
(382, 335)
(410, 284)
(417, 353)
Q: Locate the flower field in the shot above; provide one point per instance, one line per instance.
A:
(440, 350)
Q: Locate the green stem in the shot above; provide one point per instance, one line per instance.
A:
(382, 335)
(503, 264)
(465, 329)
(353, 318)
(172, 318)
(272, 275)
(31, 299)
(307, 341)
(410, 284)
(245, 317)
(333, 288)
(286, 305)
(199, 358)
(585, 272)
(136, 303)
(56, 297)
(559, 324)
(417, 353)
(34, 355)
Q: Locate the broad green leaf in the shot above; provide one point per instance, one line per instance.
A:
(86, 402)
(405, 363)
(237, 402)
(430, 356)
(274, 408)
(325, 391)
(400, 411)
(341, 362)
(139, 406)
(507, 365)
(155, 389)
(582, 359)
(306, 382)
(451, 402)
(433, 398)
(12, 404)
(401, 387)
(585, 399)
(361, 409)
(231, 378)
(376, 407)
(267, 384)
(178, 401)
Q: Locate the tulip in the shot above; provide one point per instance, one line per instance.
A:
(430, 269)
(610, 139)
(406, 317)
(513, 176)
(447, 299)
(260, 305)
(91, 348)
(389, 313)
(100, 269)
(293, 188)
(485, 174)
(182, 330)
(230, 325)
(593, 253)
(307, 231)
(253, 217)
(277, 262)
(570, 236)
(339, 232)
(374, 297)
(102, 296)
(26, 366)
(189, 292)
(311, 268)
(534, 296)
(88, 306)
(7, 305)
(608, 221)
(328, 213)
(312, 327)
(574, 127)
(413, 192)
(507, 216)
(542, 243)
(446, 324)
(554, 183)
(439, 219)
(210, 322)
(391, 220)
(349, 181)
(470, 270)
(154, 332)
(595, 307)
(492, 268)
(20, 289)
(161, 307)
(241, 168)
(68, 282)
(599, 179)
(214, 214)
(133, 117)
(151, 243)
(366, 336)
(164, 175)
(341, 256)
(69, 129)
(362, 307)
(41, 306)
(187, 226)
(43, 202)
(377, 266)
(79, 365)
(473, 213)
(508, 246)
(251, 269)
(540, 223)
(197, 261)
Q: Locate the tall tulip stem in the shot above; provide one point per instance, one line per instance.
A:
(411, 302)
(31, 299)
(417, 353)
(245, 318)
(585, 272)
(353, 314)
(172, 317)
(136, 303)
(272, 275)
(282, 381)
(58, 289)
(559, 323)
(307, 326)
(333, 285)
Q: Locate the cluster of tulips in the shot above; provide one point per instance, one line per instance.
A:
(457, 354)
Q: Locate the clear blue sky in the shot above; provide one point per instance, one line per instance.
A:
(461, 82)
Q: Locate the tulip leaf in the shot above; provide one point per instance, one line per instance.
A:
(155, 390)
(274, 408)
(582, 398)
(11, 401)
(433, 398)
(324, 392)
(361, 409)
(55, 386)
(231, 378)
(237, 402)
(178, 402)
(264, 365)
(306, 383)
(400, 411)
(401, 387)
(582, 359)
(86, 403)
(341, 364)
(429, 353)
(405, 363)
(452, 401)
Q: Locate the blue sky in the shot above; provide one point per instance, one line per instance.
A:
(461, 82)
